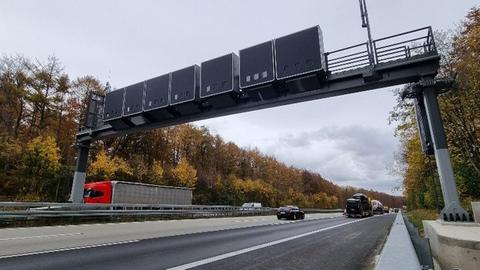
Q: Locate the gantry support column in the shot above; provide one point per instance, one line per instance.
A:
(452, 210)
(76, 195)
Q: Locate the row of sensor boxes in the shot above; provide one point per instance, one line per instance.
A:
(217, 82)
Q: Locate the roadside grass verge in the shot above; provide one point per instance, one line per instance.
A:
(416, 216)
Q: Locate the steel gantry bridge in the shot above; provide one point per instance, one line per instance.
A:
(283, 71)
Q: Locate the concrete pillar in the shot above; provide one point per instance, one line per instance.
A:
(76, 195)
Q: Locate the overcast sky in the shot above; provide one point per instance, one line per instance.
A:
(347, 139)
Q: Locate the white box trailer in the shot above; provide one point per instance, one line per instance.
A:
(129, 192)
(136, 193)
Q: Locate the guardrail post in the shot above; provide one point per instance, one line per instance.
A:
(452, 211)
(76, 195)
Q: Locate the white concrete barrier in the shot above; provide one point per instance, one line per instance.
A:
(398, 252)
(455, 245)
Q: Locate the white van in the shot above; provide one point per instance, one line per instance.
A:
(250, 206)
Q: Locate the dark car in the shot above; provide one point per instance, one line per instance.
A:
(290, 212)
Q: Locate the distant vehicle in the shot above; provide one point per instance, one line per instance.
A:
(290, 212)
(377, 207)
(396, 210)
(135, 193)
(359, 206)
(250, 206)
(386, 209)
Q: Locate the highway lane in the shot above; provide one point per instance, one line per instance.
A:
(329, 243)
(347, 247)
(36, 239)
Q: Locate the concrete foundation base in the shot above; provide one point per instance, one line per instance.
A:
(454, 244)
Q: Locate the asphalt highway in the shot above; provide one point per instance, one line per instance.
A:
(317, 243)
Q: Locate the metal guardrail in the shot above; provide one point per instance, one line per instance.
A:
(22, 210)
(406, 45)
(32, 210)
(421, 245)
(320, 210)
(108, 205)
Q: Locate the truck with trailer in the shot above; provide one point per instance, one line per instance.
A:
(359, 206)
(111, 192)
(377, 207)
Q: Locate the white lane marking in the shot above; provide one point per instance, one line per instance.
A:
(245, 250)
(67, 249)
(40, 236)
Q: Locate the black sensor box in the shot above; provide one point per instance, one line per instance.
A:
(257, 71)
(112, 113)
(157, 98)
(219, 81)
(184, 90)
(299, 53)
(133, 101)
(257, 65)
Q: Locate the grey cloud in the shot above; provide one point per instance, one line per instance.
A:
(359, 141)
(349, 155)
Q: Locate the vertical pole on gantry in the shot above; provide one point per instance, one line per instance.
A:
(452, 210)
(366, 24)
(76, 195)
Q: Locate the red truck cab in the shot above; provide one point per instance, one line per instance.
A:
(98, 192)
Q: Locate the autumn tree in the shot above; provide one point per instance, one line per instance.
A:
(105, 167)
(157, 173)
(14, 82)
(40, 162)
(184, 174)
(461, 110)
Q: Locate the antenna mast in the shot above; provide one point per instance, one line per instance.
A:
(366, 24)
